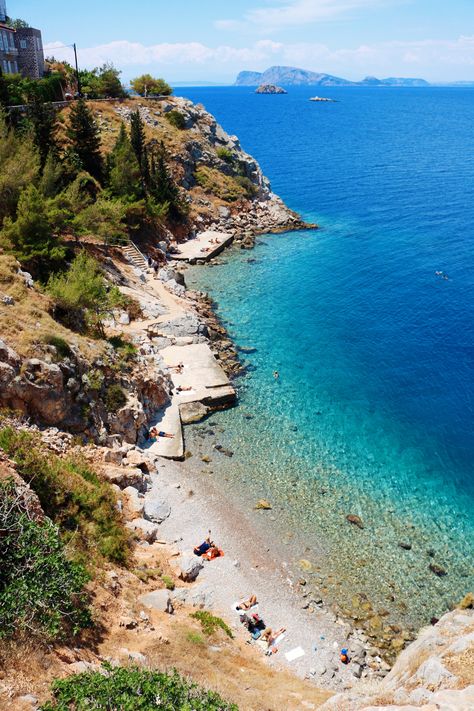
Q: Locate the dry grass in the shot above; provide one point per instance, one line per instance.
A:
(462, 666)
(26, 323)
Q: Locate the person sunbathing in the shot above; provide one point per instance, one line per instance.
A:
(181, 389)
(213, 552)
(247, 604)
(204, 547)
(154, 433)
(270, 637)
(178, 368)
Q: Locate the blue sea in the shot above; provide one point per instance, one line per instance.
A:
(369, 321)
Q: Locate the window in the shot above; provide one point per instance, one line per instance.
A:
(1, 42)
(38, 44)
(23, 44)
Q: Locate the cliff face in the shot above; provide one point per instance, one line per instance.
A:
(435, 673)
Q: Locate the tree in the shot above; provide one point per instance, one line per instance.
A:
(108, 82)
(146, 85)
(84, 135)
(43, 119)
(103, 219)
(124, 178)
(17, 24)
(19, 165)
(163, 189)
(138, 141)
(84, 288)
(30, 237)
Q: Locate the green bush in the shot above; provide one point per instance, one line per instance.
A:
(249, 187)
(210, 623)
(225, 155)
(115, 398)
(223, 186)
(41, 591)
(73, 496)
(132, 689)
(169, 582)
(176, 119)
(62, 346)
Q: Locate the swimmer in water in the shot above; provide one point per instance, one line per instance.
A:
(276, 374)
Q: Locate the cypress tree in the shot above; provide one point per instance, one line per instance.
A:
(85, 139)
(138, 141)
(43, 119)
(124, 177)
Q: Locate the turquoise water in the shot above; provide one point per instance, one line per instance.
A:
(372, 413)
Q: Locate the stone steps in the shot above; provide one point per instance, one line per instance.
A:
(134, 256)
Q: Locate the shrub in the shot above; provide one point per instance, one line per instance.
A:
(195, 638)
(83, 294)
(176, 119)
(146, 85)
(210, 624)
(223, 186)
(73, 496)
(249, 187)
(225, 155)
(41, 591)
(115, 398)
(62, 346)
(125, 349)
(169, 582)
(132, 689)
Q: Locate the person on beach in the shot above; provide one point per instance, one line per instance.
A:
(181, 389)
(247, 604)
(204, 547)
(270, 637)
(178, 368)
(154, 433)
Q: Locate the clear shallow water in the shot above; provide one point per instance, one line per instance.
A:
(373, 410)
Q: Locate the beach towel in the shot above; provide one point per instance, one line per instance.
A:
(213, 553)
(295, 653)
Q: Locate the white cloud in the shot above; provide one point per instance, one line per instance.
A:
(291, 13)
(436, 59)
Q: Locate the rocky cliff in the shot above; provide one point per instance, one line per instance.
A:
(435, 673)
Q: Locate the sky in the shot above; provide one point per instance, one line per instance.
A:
(212, 40)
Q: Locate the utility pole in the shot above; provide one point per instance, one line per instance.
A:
(79, 88)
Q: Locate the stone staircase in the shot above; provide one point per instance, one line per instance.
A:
(133, 255)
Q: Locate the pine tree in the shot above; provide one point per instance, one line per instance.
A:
(138, 141)
(163, 189)
(85, 139)
(30, 237)
(124, 176)
(43, 119)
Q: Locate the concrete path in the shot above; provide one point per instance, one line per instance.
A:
(201, 372)
(205, 245)
(169, 421)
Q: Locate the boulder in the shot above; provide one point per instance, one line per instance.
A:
(188, 567)
(146, 530)
(124, 476)
(139, 459)
(156, 510)
(113, 456)
(158, 600)
(192, 412)
(135, 503)
(8, 355)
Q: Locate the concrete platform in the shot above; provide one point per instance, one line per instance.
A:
(205, 246)
(169, 421)
(201, 372)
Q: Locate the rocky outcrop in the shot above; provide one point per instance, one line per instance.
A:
(27, 500)
(270, 89)
(434, 673)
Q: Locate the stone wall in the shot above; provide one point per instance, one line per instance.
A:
(30, 52)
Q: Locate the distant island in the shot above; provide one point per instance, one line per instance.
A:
(293, 76)
(270, 89)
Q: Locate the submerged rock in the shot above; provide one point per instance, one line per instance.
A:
(438, 570)
(263, 504)
(355, 520)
